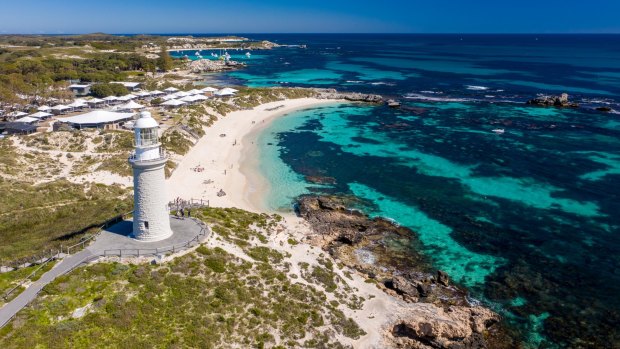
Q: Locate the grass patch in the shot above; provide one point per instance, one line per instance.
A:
(37, 218)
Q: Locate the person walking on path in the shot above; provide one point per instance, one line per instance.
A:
(189, 212)
(182, 213)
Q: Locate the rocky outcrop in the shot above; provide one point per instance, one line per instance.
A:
(553, 101)
(604, 109)
(445, 319)
(349, 96)
(207, 65)
(454, 327)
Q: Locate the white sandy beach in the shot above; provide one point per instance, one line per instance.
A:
(229, 161)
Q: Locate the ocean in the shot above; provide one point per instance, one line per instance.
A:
(527, 219)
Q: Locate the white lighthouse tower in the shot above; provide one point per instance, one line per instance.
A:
(151, 220)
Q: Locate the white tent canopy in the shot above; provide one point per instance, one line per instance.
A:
(199, 98)
(173, 103)
(194, 92)
(157, 92)
(95, 101)
(110, 98)
(77, 104)
(97, 117)
(171, 89)
(44, 108)
(226, 92)
(60, 107)
(40, 115)
(208, 89)
(17, 114)
(131, 105)
(142, 94)
(127, 97)
(27, 119)
(188, 99)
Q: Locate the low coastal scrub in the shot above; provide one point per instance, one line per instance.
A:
(205, 299)
(175, 142)
(36, 218)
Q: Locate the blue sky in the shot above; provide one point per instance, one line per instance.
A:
(316, 16)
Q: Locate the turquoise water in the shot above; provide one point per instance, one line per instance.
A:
(527, 220)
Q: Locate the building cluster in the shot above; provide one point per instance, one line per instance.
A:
(111, 112)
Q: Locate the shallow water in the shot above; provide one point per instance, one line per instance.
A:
(528, 220)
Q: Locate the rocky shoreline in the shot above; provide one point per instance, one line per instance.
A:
(387, 255)
(207, 65)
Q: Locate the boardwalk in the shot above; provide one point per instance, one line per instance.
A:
(112, 241)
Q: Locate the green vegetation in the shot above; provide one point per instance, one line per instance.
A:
(11, 279)
(36, 218)
(205, 299)
(117, 165)
(164, 62)
(175, 142)
(102, 90)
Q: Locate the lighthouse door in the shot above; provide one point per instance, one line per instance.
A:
(146, 225)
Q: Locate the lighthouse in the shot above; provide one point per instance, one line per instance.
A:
(151, 220)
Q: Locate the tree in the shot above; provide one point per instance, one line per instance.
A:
(165, 61)
(101, 90)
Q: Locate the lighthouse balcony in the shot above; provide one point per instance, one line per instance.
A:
(149, 156)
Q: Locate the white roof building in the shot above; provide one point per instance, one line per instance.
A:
(97, 118)
(95, 101)
(40, 115)
(17, 114)
(173, 103)
(171, 89)
(127, 97)
(27, 120)
(44, 108)
(131, 106)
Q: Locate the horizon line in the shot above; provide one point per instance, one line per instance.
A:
(313, 33)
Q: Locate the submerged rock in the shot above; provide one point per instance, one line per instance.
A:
(349, 96)
(553, 101)
(604, 109)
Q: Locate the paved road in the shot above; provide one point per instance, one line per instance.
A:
(10, 309)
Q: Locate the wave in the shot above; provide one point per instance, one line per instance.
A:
(432, 92)
(382, 83)
(419, 97)
(476, 88)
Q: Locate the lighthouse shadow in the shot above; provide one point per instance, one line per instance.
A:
(123, 228)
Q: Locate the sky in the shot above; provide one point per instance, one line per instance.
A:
(308, 16)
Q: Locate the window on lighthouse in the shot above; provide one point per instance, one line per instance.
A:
(148, 136)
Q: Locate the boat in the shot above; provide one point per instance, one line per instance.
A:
(197, 53)
(247, 54)
(499, 131)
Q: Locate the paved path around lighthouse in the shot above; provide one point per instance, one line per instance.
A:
(110, 241)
